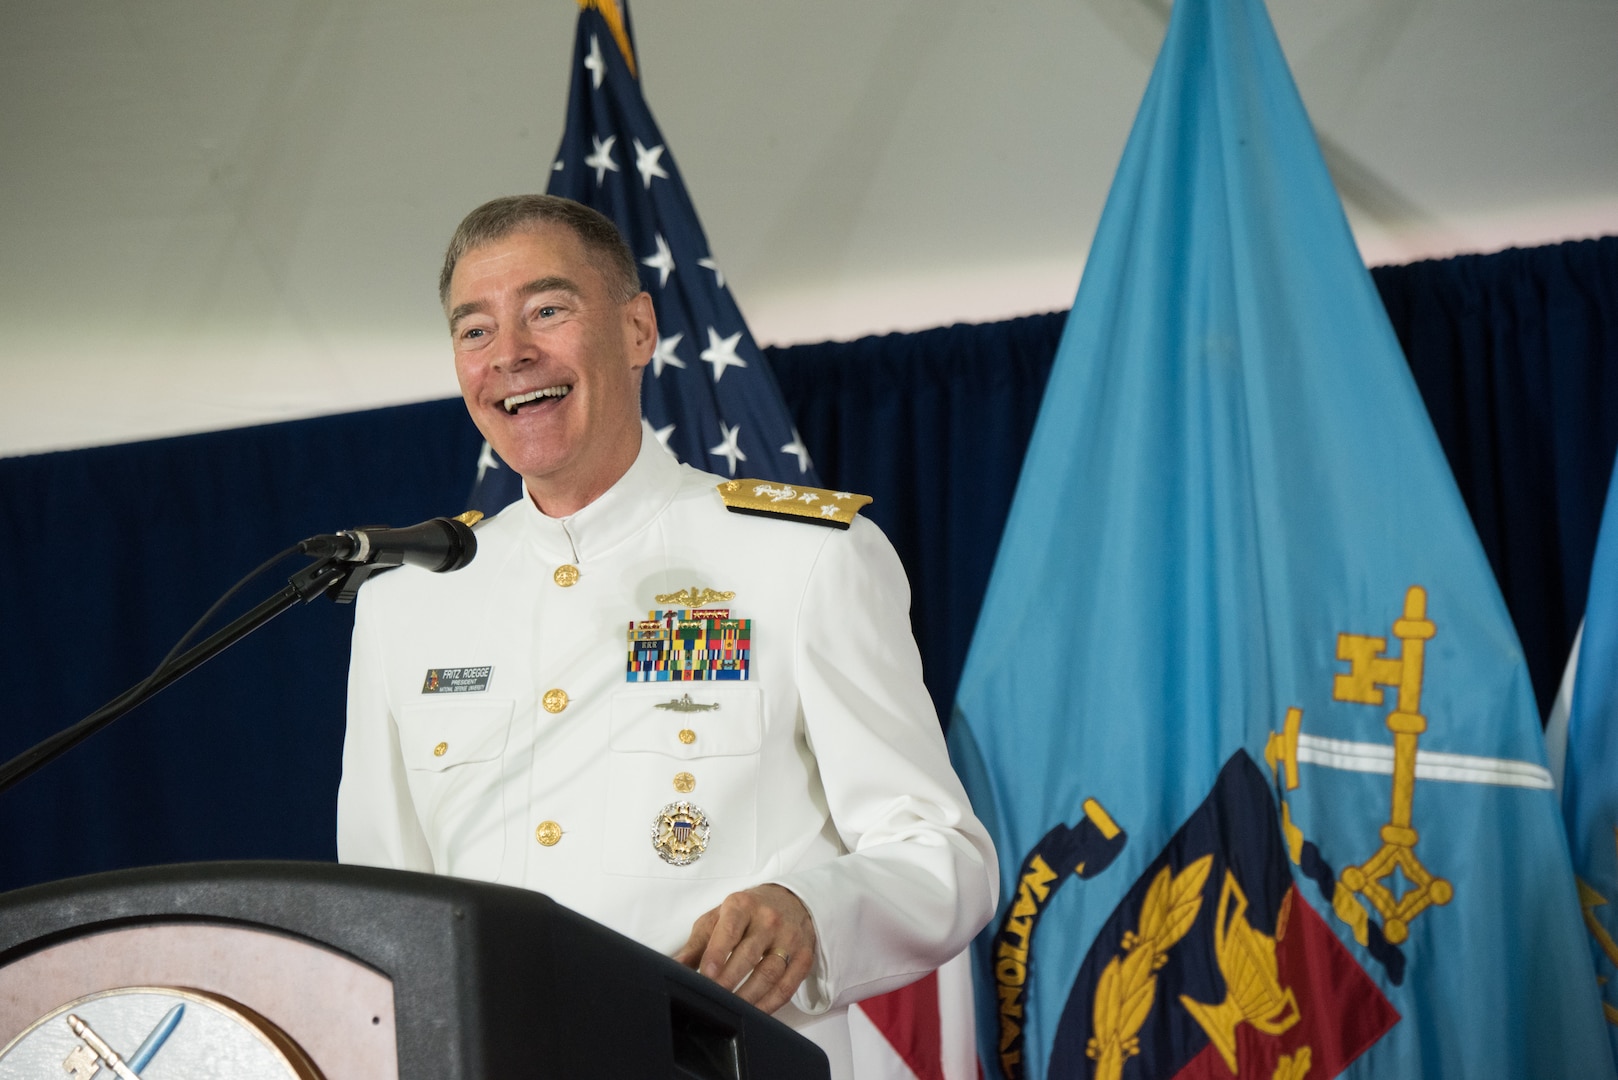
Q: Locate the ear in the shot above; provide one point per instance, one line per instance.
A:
(640, 330)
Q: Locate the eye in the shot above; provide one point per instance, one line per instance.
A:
(545, 311)
(473, 334)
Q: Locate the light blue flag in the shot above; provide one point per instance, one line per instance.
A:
(1244, 709)
(1590, 780)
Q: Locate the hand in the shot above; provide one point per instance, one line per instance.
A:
(763, 936)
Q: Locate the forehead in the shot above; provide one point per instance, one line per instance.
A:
(532, 253)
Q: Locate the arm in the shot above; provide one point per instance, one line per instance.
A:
(920, 876)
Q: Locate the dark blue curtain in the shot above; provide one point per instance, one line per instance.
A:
(107, 555)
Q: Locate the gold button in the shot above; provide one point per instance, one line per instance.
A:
(687, 736)
(684, 782)
(555, 700)
(548, 833)
(566, 575)
(438, 751)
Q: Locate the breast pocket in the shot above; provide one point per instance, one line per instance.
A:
(698, 745)
(453, 757)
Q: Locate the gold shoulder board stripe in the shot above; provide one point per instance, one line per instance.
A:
(817, 505)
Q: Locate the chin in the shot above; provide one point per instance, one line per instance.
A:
(536, 468)
(532, 453)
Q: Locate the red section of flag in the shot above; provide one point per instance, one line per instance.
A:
(1341, 1011)
(908, 1019)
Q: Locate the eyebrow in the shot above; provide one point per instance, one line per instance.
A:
(554, 283)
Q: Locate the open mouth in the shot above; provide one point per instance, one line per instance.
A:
(517, 401)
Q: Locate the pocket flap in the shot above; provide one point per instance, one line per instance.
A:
(439, 736)
(718, 720)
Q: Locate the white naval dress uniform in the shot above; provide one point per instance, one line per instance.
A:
(824, 771)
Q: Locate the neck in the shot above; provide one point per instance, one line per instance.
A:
(559, 497)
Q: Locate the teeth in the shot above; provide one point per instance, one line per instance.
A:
(513, 403)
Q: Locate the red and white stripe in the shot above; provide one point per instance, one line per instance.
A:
(923, 1031)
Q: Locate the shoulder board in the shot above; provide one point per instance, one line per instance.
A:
(817, 505)
(470, 518)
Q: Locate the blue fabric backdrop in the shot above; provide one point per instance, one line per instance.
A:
(107, 555)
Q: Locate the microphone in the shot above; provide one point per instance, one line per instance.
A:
(440, 545)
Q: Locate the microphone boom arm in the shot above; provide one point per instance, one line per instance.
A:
(322, 576)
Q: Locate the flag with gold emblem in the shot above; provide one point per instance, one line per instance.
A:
(1244, 709)
(708, 392)
(1590, 776)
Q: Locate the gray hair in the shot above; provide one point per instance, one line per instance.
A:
(499, 218)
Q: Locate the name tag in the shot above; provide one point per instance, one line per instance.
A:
(456, 680)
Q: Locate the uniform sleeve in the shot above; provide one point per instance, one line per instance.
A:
(376, 821)
(920, 878)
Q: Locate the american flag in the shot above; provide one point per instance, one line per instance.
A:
(708, 393)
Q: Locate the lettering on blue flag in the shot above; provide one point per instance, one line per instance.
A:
(1067, 852)
(708, 393)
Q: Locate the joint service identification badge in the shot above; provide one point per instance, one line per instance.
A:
(680, 833)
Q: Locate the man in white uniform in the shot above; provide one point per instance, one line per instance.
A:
(704, 729)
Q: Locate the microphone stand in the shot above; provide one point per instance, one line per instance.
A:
(322, 576)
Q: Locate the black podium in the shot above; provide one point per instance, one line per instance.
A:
(380, 973)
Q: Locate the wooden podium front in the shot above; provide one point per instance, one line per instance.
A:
(316, 971)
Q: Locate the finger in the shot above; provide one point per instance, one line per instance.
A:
(701, 931)
(763, 984)
(741, 937)
(763, 981)
(794, 971)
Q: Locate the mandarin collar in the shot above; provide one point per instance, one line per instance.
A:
(621, 511)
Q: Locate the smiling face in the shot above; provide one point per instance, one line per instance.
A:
(549, 362)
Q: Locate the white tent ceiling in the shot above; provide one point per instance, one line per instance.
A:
(216, 212)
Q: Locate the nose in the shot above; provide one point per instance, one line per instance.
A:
(516, 348)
